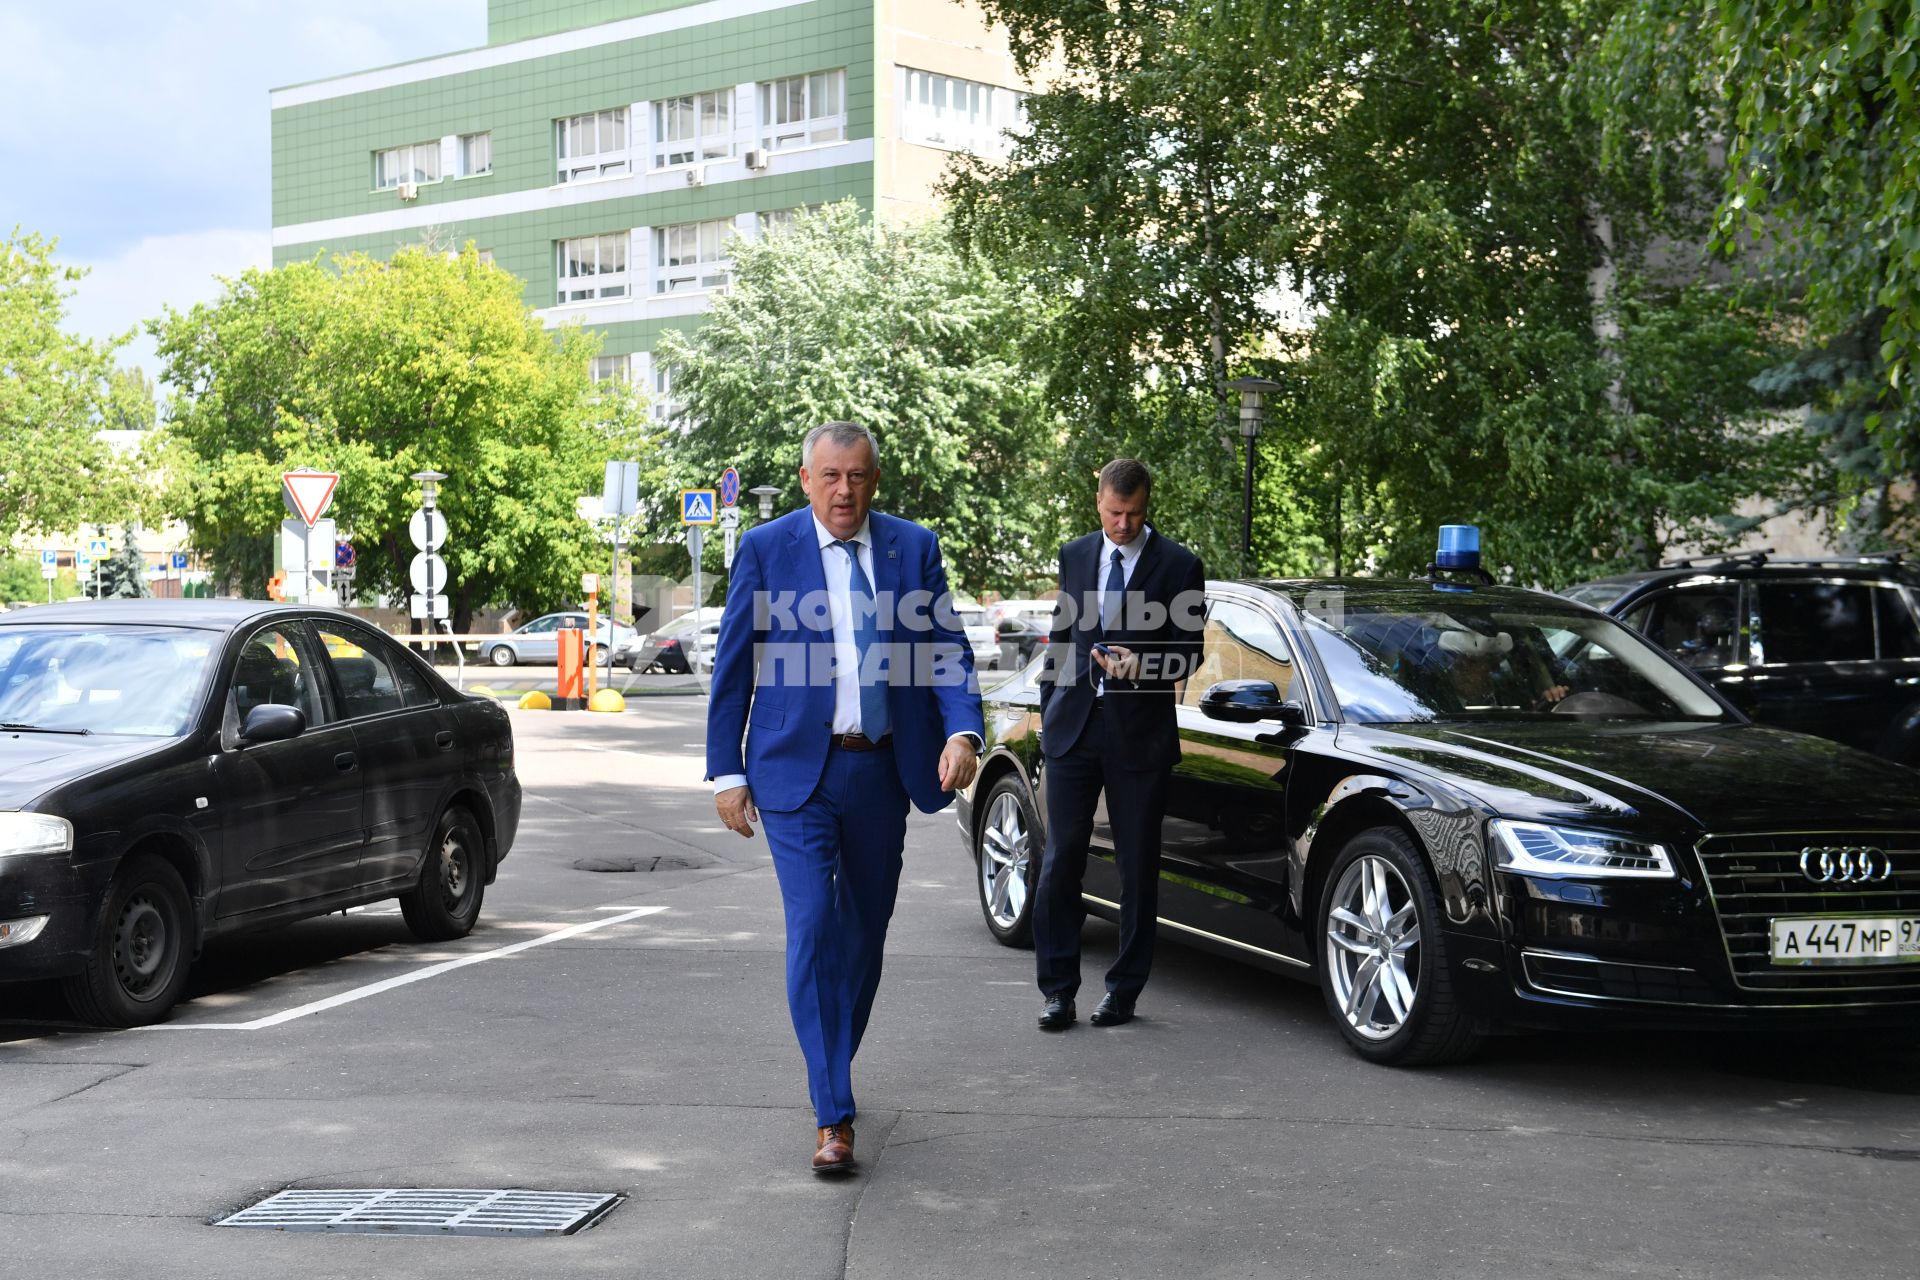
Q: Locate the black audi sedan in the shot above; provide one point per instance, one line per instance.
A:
(172, 771)
(1461, 808)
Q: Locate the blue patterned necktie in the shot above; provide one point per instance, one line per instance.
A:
(866, 635)
(1112, 598)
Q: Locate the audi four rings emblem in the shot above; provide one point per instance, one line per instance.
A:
(1854, 864)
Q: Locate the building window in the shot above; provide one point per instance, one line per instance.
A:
(476, 154)
(611, 368)
(661, 403)
(803, 111)
(593, 267)
(691, 256)
(417, 163)
(959, 115)
(592, 146)
(486, 256)
(696, 127)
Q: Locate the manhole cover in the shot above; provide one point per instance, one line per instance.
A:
(427, 1211)
(665, 862)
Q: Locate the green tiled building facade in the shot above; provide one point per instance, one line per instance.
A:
(606, 151)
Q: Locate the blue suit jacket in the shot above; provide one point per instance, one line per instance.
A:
(770, 712)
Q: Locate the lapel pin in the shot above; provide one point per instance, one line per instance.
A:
(893, 553)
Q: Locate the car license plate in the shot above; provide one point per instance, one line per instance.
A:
(1855, 940)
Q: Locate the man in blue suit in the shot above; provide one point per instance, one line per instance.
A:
(843, 689)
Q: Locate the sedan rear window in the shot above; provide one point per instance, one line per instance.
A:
(144, 681)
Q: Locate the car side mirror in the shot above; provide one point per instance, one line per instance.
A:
(272, 722)
(1250, 701)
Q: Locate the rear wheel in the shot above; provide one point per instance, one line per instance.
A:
(501, 656)
(445, 903)
(1007, 861)
(1384, 969)
(137, 967)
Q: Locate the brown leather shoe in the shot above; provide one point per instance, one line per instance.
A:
(834, 1151)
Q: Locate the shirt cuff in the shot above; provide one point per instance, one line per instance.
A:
(979, 743)
(728, 781)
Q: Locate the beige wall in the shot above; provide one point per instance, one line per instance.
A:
(928, 35)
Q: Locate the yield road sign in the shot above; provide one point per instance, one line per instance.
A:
(729, 487)
(428, 529)
(697, 506)
(428, 573)
(308, 494)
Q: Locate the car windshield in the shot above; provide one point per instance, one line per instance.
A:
(1469, 659)
(124, 680)
(1597, 594)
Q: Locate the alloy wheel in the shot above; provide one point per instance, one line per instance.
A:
(1373, 948)
(1006, 849)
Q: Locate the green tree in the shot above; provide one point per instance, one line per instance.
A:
(124, 576)
(130, 403)
(835, 318)
(378, 370)
(1489, 310)
(52, 389)
(1813, 106)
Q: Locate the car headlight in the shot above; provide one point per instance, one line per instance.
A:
(1535, 849)
(22, 833)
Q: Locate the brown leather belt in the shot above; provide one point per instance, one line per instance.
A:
(857, 742)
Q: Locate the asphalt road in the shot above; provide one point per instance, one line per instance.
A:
(1226, 1133)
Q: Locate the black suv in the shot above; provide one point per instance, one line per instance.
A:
(1830, 647)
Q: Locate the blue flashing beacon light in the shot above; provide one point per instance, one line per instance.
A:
(1459, 547)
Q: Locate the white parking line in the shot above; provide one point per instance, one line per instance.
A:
(431, 971)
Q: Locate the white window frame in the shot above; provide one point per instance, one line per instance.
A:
(408, 165)
(821, 98)
(956, 114)
(606, 132)
(712, 136)
(710, 265)
(611, 369)
(465, 147)
(611, 275)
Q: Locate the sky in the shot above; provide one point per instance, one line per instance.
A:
(138, 134)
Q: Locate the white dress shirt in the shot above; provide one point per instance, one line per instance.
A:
(1129, 557)
(838, 570)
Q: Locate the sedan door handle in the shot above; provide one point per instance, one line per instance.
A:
(345, 762)
(443, 740)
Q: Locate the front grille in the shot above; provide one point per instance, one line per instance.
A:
(1754, 878)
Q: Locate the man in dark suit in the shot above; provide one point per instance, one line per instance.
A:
(843, 688)
(1126, 628)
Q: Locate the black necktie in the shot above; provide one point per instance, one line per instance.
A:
(1111, 600)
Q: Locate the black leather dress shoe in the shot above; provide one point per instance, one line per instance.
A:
(1058, 1015)
(1112, 1012)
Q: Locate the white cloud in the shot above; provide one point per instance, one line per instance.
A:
(133, 286)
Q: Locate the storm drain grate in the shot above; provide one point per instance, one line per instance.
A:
(427, 1211)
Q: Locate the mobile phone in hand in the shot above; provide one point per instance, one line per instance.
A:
(1101, 648)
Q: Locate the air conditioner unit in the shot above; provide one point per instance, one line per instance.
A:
(757, 159)
(409, 191)
(697, 176)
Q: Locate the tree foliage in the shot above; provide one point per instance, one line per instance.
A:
(835, 318)
(124, 576)
(379, 370)
(52, 389)
(1489, 310)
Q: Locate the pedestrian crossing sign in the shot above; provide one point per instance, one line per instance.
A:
(697, 506)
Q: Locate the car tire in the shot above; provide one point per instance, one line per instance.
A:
(1384, 969)
(502, 656)
(1006, 860)
(136, 968)
(445, 903)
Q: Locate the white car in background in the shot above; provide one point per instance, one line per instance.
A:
(980, 636)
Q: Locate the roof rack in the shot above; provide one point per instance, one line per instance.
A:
(1758, 556)
(1878, 557)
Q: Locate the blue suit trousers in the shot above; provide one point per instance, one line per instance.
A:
(838, 861)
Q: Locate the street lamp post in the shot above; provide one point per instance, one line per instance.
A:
(766, 493)
(1253, 412)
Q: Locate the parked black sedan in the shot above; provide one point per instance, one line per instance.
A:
(1458, 808)
(171, 771)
